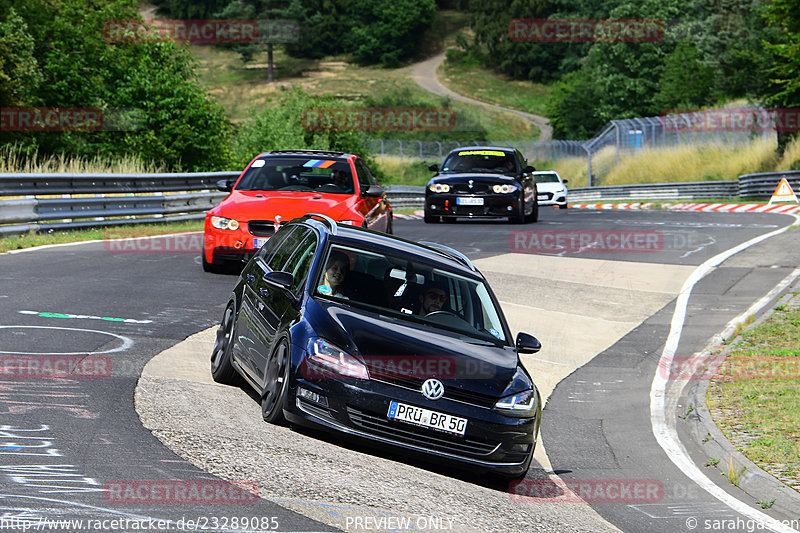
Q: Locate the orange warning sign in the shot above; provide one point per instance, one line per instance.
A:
(783, 193)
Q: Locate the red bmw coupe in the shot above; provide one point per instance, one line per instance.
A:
(282, 185)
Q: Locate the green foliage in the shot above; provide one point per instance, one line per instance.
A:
(783, 89)
(279, 127)
(191, 9)
(19, 70)
(571, 106)
(468, 127)
(686, 82)
(720, 44)
(387, 31)
(176, 122)
(372, 31)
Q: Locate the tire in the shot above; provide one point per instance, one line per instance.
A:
(222, 370)
(431, 219)
(214, 268)
(276, 387)
(562, 206)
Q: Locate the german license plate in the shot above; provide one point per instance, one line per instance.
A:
(469, 200)
(543, 197)
(427, 418)
(258, 243)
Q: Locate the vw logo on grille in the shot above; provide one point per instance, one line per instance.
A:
(471, 183)
(432, 389)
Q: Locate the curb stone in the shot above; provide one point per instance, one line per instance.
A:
(700, 426)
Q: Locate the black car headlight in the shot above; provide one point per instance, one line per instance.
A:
(439, 187)
(224, 223)
(505, 188)
(522, 404)
(328, 358)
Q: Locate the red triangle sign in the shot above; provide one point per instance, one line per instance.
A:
(783, 193)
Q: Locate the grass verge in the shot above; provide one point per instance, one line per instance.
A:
(755, 396)
(488, 86)
(118, 232)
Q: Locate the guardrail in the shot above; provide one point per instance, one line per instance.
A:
(657, 191)
(116, 199)
(762, 185)
(139, 198)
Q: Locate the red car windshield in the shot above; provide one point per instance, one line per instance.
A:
(298, 174)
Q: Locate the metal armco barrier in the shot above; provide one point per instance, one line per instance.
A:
(764, 184)
(147, 197)
(187, 196)
(27, 184)
(657, 191)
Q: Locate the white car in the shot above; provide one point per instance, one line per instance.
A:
(552, 190)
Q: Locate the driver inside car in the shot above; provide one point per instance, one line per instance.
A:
(432, 299)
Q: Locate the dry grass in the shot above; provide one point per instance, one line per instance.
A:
(12, 159)
(690, 163)
(790, 155)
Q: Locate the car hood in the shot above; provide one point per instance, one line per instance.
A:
(246, 205)
(476, 176)
(395, 348)
(550, 187)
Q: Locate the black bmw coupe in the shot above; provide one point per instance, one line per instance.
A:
(402, 343)
(479, 182)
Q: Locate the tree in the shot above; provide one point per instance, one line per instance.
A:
(19, 70)
(686, 82)
(783, 90)
(176, 122)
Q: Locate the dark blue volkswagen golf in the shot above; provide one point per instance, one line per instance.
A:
(402, 343)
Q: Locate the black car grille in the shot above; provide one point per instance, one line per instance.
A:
(545, 196)
(261, 228)
(463, 188)
(430, 439)
(450, 393)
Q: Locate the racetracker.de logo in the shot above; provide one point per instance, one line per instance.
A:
(378, 119)
(585, 30)
(181, 492)
(731, 119)
(184, 243)
(586, 490)
(55, 366)
(585, 241)
(731, 369)
(50, 119)
(182, 31)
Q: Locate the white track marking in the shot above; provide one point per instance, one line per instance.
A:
(663, 426)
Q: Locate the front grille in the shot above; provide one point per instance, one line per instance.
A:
(430, 439)
(477, 188)
(261, 228)
(545, 196)
(450, 392)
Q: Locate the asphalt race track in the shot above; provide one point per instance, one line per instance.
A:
(597, 287)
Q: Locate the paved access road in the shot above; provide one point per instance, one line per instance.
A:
(73, 447)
